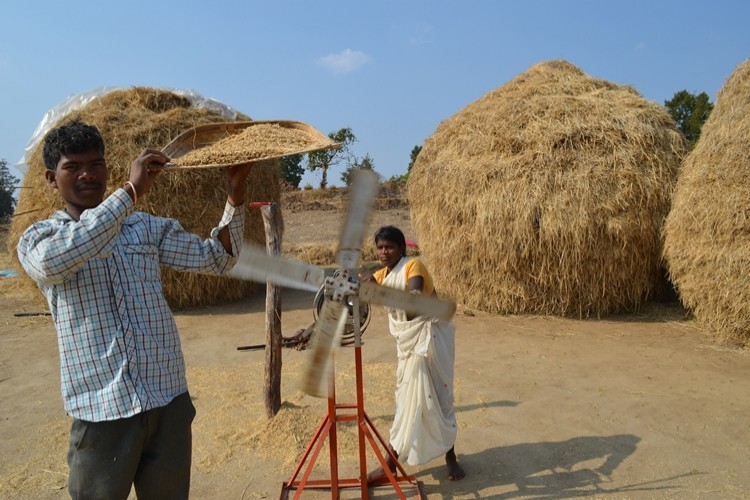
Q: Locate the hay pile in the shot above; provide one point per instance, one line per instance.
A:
(707, 232)
(130, 120)
(548, 195)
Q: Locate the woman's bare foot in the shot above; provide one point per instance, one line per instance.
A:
(379, 475)
(455, 472)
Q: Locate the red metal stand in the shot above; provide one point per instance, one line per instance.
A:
(366, 432)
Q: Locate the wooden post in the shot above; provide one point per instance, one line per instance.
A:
(272, 377)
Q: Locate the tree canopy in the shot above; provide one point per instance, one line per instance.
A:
(690, 112)
(365, 163)
(327, 158)
(7, 186)
(291, 169)
(412, 158)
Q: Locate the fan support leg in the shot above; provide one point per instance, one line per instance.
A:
(366, 432)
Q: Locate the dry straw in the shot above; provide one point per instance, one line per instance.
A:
(548, 196)
(241, 147)
(129, 121)
(707, 233)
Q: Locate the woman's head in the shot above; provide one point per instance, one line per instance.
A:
(390, 245)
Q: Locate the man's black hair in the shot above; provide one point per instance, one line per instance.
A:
(71, 137)
(392, 234)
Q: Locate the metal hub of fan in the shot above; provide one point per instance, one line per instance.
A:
(342, 287)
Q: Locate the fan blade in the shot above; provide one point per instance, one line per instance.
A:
(361, 200)
(325, 339)
(254, 264)
(425, 305)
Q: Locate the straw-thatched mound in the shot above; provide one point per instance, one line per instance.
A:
(547, 195)
(130, 120)
(707, 232)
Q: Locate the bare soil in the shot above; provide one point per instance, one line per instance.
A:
(635, 406)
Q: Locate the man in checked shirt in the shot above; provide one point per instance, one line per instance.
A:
(122, 369)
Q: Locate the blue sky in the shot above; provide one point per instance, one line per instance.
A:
(391, 70)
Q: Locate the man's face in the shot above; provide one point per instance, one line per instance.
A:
(81, 179)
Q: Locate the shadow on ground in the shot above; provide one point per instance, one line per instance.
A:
(577, 467)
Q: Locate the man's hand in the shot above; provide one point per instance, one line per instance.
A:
(236, 191)
(145, 168)
(237, 183)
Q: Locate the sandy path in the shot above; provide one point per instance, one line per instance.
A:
(638, 406)
(631, 407)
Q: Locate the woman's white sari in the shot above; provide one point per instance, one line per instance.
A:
(424, 426)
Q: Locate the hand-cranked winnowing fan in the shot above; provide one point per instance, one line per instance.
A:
(332, 319)
(254, 264)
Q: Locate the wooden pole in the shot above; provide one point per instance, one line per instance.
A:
(272, 377)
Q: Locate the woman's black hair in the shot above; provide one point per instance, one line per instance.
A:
(71, 137)
(392, 234)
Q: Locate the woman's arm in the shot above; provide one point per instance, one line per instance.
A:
(415, 284)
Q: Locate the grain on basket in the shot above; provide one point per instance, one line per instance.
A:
(252, 143)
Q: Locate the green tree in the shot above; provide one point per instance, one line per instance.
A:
(7, 186)
(400, 179)
(413, 158)
(365, 163)
(292, 169)
(327, 158)
(690, 112)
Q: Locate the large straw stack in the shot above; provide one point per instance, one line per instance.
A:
(130, 120)
(707, 233)
(547, 196)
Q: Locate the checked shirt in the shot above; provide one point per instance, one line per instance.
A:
(120, 351)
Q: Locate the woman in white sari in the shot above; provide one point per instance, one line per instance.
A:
(424, 426)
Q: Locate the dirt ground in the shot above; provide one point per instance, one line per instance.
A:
(636, 406)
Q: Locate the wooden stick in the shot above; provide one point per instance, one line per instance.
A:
(272, 377)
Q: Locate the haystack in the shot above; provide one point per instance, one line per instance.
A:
(130, 120)
(547, 196)
(707, 233)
